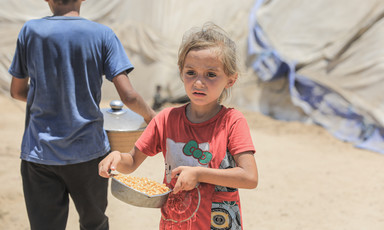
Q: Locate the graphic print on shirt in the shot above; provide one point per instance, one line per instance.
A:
(226, 163)
(182, 207)
(185, 154)
(226, 214)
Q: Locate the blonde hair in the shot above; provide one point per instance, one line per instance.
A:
(210, 36)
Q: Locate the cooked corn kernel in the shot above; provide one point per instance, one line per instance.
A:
(143, 184)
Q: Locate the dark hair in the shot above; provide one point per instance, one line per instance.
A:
(64, 2)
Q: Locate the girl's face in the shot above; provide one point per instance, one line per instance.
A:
(204, 77)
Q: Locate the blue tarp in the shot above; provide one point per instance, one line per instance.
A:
(324, 106)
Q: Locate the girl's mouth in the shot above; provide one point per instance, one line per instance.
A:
(199, 94)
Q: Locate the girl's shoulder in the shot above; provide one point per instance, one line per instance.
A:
(232, 113)
(170, 112)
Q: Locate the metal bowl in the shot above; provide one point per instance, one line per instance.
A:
(133, 197)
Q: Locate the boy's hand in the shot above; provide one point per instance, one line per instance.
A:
(187, 178)
(109, 163)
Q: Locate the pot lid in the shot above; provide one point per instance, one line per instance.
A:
(118, 118)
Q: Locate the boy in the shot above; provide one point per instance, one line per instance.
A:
(63, 57)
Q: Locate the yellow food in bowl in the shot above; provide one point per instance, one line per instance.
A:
(143, 184)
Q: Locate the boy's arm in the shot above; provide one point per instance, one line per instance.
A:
(19, 88)
(131, 98)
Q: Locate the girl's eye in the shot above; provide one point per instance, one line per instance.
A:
(190, 73)
(211, 75)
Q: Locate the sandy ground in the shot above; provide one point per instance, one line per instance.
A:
(308, 180)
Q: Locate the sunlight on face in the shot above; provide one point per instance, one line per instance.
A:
(204, 77)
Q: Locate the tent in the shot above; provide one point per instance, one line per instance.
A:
(314, 61)
(327, 57)
(150, 30)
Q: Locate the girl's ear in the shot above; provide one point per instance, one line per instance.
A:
(231, 80)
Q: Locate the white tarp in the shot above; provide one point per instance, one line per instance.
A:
(150, 30)
(330, 55)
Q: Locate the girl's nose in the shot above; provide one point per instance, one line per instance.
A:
(199, 81)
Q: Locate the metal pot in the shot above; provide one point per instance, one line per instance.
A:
(123, 126)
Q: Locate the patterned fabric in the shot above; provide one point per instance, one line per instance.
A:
(226, 214)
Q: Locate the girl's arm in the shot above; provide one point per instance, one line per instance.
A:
(243, 176)
(123, 162)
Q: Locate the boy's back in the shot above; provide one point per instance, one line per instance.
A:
(65, 58)
(57, 69)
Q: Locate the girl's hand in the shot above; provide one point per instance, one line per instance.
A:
(187, 178)
(109, 163)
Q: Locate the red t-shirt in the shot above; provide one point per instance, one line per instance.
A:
(208, 144)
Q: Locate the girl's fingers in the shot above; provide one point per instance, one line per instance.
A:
(109, 164)
(102, 171)
(114, 164)
(177, 187)
(104, 168)
(175, 172)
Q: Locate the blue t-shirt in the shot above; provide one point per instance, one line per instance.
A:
(66, 58)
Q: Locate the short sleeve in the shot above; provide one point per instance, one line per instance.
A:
(116, 59)
(18, 66)
(150, 142)
(239, 138)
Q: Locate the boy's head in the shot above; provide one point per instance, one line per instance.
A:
(65, 7)
(64, 2)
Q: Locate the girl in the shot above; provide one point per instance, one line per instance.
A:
(207, 147)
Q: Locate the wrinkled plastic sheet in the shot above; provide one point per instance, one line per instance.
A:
(322, 103)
